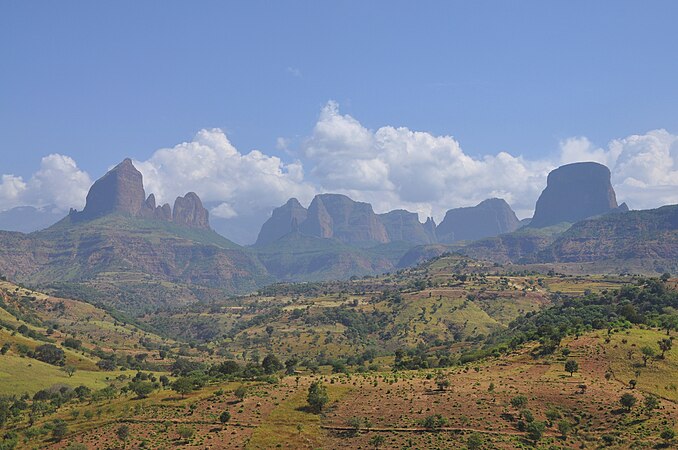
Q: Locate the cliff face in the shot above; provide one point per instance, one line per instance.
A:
(490, 217)
(283, 221)
(404, 226)
(189, 212)
(574, 192)
(121, 190)
(337, 216)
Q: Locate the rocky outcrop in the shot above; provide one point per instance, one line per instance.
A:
(574, 192)
(489, 218)
(337, 216)
(189, 212)
(404, 226)
(283, 221)
(121, 191)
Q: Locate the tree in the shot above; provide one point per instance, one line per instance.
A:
(434, 421)
(564, 427)
(271, 364)
(442, 381)
(5, 348)
(59, 430)
(122, 432)
(225, 417)
(317, 396)
(474, 442)
(519, 401)
(141, 388)
(291, 365)
(571, 366)
(50, 354)
(648, 352)
(668, 435)
(70, 370)
(240, 392)
(377, 440)
(535, 430)
(627, 401)
(665, 345)
(183, 386)
(185, 432)
(651, 403)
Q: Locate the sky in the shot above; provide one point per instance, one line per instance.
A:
(417, 105)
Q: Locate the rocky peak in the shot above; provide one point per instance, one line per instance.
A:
(404, 226)
(574, 192)
(121, 190)
(337, 216)
(188, 211)
(490, 217)
(284, 220)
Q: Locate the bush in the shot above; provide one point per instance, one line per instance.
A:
(317, 396)
(535, 430)
(50, 354)
(225, 417)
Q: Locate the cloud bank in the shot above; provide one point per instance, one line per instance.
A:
(389, 167)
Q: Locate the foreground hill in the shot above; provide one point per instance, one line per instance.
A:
(593, 367)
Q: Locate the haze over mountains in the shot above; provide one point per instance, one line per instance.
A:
(123, 247)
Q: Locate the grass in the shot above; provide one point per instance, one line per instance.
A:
(290, 426)
(19, 375)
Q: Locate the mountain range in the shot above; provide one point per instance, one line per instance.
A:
(123, 250)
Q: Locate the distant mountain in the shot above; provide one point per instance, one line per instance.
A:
(127, 252)
(28, 218)
(336, 216)
(490, 217)
(574, 192)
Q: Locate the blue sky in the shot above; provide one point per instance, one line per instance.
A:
(98, 81)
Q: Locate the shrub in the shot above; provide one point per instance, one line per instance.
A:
(317, 396)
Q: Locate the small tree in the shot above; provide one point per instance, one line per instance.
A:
(59, 430)
(665, 345)
(668, 435)
(474, 442)
(183, 386)
(442, 382)
(225, 417)
(648, 353)
(519, 401)
(240, 392)
(564, 427)
(70, 370)
(185, 432)
(535, 430)
(122, 432)
(141, 388)
(271, 364)
(651, 403)
(317, 396)
(571, 366)
(627, 401)
(377, 440)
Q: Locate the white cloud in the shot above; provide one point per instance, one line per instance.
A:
(57, 182)
(389, 167)
(400, 168)
(213, 168)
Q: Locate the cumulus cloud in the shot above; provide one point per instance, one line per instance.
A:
(213, 168)
(391, 167)
(58, 182)
(397, 167)
(644, 167)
